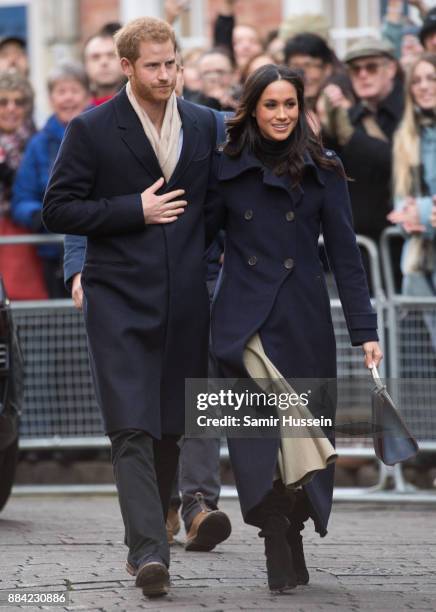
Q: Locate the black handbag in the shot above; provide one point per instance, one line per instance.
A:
(393, 442)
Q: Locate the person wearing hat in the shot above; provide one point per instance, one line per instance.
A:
(310, 54)
(362, 133)
(13, 56)
(428, 32)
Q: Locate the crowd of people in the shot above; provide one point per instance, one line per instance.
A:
(27, 155)
(356, 104)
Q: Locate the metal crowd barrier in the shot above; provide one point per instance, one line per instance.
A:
(350, 359)
(412, 350)
(60, 410)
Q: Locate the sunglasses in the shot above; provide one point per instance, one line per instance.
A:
(369, 67)
(19, 102)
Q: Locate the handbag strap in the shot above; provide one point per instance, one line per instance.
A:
(376, 378)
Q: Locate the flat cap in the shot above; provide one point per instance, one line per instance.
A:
(369, 47)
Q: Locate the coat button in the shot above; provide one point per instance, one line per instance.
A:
(248, 215)
(252, 260)
(288, 263)
(290, 216)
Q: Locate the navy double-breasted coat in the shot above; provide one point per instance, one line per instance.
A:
(146, 303)
(273, 283)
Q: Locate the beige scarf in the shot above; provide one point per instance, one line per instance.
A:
(166, 146)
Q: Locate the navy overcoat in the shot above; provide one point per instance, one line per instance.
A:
(273, 283)
(146, 302)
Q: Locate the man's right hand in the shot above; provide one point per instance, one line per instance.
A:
(77, 291)
(163, 208)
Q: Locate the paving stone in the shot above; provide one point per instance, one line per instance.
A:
(375, 557)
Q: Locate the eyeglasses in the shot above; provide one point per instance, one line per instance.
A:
(18, 102)
(369, 67)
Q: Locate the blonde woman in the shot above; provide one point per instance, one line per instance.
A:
(415, 179)
(415, 184)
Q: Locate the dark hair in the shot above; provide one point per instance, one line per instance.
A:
(109, 29)
(243, 131)
(428, 26)
(271, 35)
(106, 31)
(309, 44)
(245, 72)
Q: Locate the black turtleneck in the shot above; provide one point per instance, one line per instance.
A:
(273, 153)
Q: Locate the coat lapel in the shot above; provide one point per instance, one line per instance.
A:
(190, 140)
(283, 182)
(133, 135)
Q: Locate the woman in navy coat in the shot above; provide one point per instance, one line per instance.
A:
(273, 190)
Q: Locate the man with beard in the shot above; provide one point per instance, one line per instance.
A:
(132, 175)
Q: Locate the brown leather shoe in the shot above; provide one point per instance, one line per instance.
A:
(130, 569)
(172, 525)
(208, 528)
(153, 578)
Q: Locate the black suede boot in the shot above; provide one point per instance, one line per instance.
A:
(271, 516)
(279, 563)
(295, 541)
(300, 513)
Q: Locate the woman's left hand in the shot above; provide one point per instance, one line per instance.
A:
(373, 353)
(408, 217)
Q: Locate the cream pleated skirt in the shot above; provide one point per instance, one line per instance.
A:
(299, 457)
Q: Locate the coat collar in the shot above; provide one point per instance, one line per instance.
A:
(231, 167)
(191, 138)
(133, 135)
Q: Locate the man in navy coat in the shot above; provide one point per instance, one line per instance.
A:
(146, 305)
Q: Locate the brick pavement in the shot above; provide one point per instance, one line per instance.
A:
(375, 558)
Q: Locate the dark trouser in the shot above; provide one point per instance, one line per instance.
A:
(54, 278)
(199, 471)
(144, 470)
